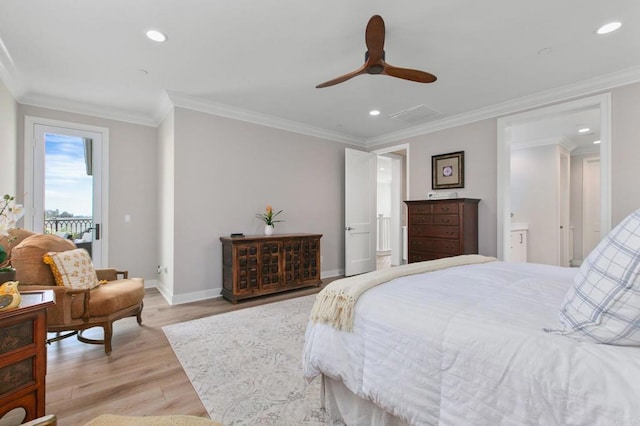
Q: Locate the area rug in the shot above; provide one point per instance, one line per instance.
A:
(246, 365)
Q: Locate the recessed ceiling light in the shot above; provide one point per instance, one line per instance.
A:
(374, 112)
(609, 28)
(584, 130)
(156, 35)
(596, 142)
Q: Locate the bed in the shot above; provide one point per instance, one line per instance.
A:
(467, 345)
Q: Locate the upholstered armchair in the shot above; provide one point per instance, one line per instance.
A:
(111, 297)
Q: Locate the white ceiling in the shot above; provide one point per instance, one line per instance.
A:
(262, 59)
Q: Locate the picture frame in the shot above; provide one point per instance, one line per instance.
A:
(447, 170)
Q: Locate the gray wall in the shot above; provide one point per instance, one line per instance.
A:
(8, 134)
(227, 171)
(625, 151)
(478, 141)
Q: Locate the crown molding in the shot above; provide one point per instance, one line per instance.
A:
(564, 93)
(168, 100)
(163, 108)
(86, 109)
(209, 107)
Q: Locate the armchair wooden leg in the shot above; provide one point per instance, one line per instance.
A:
(108, 333)
(139, 314)
(107, 328)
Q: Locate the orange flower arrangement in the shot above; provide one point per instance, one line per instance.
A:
(268, 217)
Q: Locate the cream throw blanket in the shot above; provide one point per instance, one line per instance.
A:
(335, 304)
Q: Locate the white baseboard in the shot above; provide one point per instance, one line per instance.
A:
(178, 299)
(330, 274)
(197, 296)
(151, 283)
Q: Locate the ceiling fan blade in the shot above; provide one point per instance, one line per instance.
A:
(342, 78)
(374, 38)
(409, 74)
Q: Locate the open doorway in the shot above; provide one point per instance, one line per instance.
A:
(541, 181)
(390, 218)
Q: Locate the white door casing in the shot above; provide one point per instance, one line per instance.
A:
(563, 206)
(34, 185)
(603, 103)
(360, 212)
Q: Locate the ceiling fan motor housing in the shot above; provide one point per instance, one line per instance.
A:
(376, 68)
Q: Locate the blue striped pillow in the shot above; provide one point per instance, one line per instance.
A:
(603, 305)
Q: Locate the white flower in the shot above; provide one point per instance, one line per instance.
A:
(10, 213)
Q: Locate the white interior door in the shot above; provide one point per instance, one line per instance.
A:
(360, 212)
(64, 172)
(563, 207)
(591, 232)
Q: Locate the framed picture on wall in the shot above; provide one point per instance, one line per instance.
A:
(447, 170)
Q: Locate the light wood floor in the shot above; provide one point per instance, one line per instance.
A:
(142, 376)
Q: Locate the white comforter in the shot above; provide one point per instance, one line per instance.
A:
(466, 346)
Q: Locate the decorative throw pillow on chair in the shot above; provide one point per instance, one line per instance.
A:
(72, 269)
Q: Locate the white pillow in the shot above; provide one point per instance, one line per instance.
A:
(603, 305)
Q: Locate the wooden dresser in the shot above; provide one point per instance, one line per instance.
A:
(258, 265)
(442, 228)
(23, 355)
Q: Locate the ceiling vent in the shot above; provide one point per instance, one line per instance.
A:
(416, 114)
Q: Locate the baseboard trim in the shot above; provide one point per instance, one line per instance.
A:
(151, 283)
(179, 299)
(331, 274)
(198, 296)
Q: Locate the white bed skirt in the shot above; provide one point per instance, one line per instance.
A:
(343, 405)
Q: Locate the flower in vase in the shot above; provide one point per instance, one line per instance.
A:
(268, 217)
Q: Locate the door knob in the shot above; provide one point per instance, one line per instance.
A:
(348, 228)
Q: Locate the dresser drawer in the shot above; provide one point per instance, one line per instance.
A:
(436, 231)
(421, 257)
(436, 219)
(434, 245)
(419, 209)
(420, 219)
(446, 219)
(445, 208)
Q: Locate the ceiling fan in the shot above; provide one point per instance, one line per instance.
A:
(374, 59)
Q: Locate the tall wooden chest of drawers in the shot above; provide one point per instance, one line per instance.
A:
(23, 355)
(258, 265)
(442, 228)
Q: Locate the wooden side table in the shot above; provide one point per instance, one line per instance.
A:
(23, 355)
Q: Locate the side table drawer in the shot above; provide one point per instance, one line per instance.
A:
(16, 336)
(17, 375)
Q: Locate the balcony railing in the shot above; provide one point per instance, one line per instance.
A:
(75, 226)
(384, 233)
